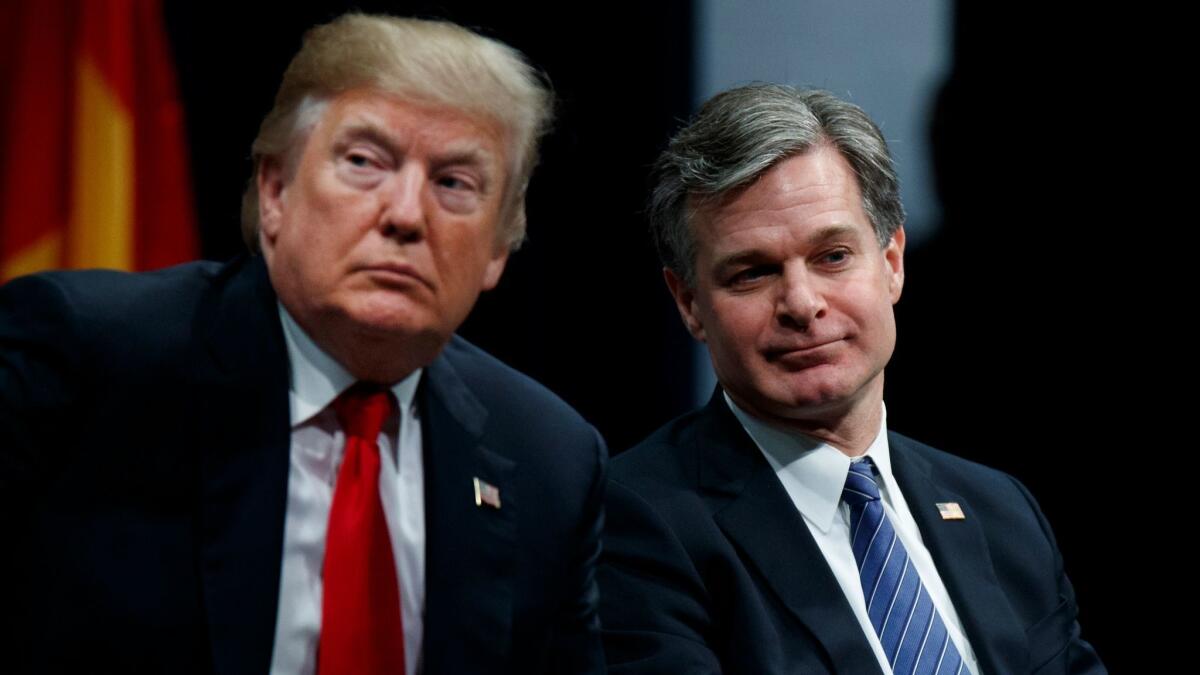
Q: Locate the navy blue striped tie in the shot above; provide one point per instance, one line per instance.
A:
(912, 633)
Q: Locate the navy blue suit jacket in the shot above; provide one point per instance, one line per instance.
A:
(709, 568)
(144, 444)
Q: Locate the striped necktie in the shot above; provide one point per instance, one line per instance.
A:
(912, 633)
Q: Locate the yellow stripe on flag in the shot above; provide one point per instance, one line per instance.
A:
(42, 254)
(100, 233)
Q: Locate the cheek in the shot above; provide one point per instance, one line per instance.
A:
(462, 250)
(329, 199)
(875, 319)
(334, 230)
(867, 299)
(736, 326)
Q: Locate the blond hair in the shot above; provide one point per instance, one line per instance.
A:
(430, 62)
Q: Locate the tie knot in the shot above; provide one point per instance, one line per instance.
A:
(860, 484)
(362, 409)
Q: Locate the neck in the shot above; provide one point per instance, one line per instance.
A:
(850, 428)
(371, 356)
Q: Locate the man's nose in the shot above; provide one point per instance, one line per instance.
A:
(403, 213)
(800, 299)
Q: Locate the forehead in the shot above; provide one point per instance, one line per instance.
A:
(798, 198)
(406, 124)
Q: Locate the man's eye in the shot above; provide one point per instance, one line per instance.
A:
(836, 257)
(750, 275)
(455, 183)
(359, 160)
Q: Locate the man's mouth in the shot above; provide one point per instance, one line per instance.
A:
(801, 355)
(396, 274)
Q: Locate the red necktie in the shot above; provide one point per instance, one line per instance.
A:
(361, 629)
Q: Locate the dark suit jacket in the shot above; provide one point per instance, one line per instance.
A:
(708, 566)
(144, 443)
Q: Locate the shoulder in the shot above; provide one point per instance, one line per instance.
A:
(704, 447)
(102, 302)
(558, 460)
(947, 465)
(998, 497)
(675, 481)
(99, 294)
(665, 460)
(97, 318)
(520, 413)
(507, 393)
(656, 503)
(1024, 558)
(951, 470)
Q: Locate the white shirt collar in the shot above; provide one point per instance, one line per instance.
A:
(317, 378)
(817, 470)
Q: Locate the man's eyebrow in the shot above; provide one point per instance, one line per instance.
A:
(367, 132)
(753, 256)
(832, 232)
(749, 256)
(461, 152)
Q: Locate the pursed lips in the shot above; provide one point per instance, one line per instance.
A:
(803, 352)
(397, 273)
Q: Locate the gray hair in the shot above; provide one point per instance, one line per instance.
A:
(432, 62)
(741, 133)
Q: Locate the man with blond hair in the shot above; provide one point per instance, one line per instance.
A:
(289, 463)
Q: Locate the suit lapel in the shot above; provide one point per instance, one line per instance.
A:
(243, 436)
(470, 563)
(760, 519)
(961, 554)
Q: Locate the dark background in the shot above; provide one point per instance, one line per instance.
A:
(1035, 334)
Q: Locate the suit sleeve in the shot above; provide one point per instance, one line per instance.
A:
(40, 370)
(1046, 637)
(653, 603)
(41, 366)
(577, 647)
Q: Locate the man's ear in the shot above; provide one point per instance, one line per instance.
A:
(893, 256)
(685, 302)
(495, 268)
(270, 182)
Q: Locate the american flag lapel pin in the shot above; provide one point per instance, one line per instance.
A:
(951, 511)
(486, 494)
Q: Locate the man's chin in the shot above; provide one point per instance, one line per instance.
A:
(394, 323)
(388, 313)
(395, 328)
(826, 399)
(811, 401)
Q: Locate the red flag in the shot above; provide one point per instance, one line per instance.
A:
(93, 161)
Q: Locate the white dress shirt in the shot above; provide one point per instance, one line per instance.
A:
(813, 473)
(316, 454)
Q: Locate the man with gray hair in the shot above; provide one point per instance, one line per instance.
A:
(782, 528)
(289, 463)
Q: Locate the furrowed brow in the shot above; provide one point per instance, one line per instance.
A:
(367, 132)
(740, 258)
(832, 232)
